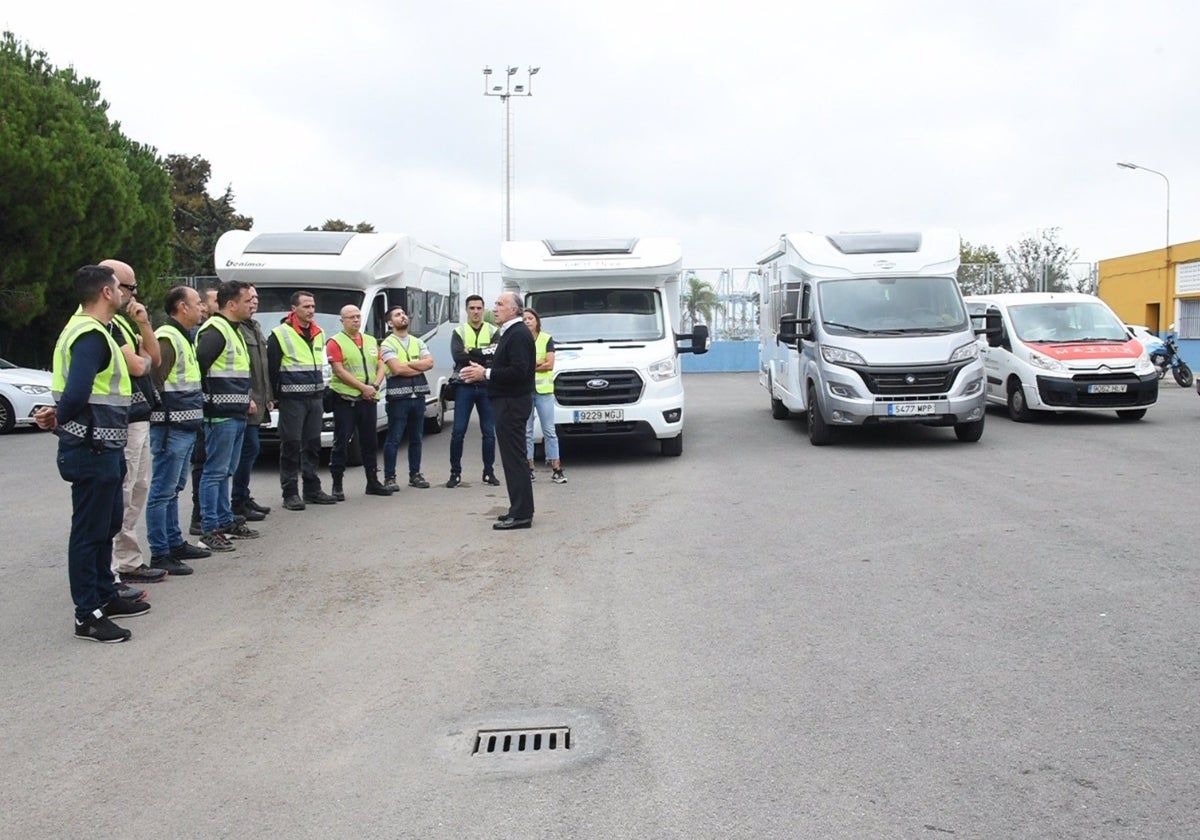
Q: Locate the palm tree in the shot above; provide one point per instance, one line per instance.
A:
(699, 299)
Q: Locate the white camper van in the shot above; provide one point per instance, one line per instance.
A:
(1063, 351)
(611, 306)
(866, 328)
(373, 271)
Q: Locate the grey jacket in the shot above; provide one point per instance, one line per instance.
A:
(260, 383)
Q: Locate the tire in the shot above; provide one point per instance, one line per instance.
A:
(7, 418)
(969, 432)
(672, 447)
(1131, 413)
(1018, 409)
(778, 410)
(1183, 375)
(434, 424)
(819, 433)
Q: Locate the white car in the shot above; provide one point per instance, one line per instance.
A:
(22, 392)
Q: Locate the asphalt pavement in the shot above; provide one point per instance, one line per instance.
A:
(899, 635)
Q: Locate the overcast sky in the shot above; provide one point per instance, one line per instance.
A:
(720, 124)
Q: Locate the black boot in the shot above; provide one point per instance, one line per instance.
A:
(338, 493)
(374, 488)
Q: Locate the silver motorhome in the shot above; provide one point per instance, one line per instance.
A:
(866, 328)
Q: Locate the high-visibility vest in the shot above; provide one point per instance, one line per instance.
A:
(406, 387)
(145, 395)
(226, 383)
(359, 362)
(301, 366)
(474, 340)
(105, 424)
(543, 380)
(182, 397)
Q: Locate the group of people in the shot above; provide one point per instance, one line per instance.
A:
(137, 406)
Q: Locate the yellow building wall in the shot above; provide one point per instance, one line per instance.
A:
(1140, 288)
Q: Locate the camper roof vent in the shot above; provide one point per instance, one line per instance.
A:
(589, 247)
(308, 242)
(876, 243)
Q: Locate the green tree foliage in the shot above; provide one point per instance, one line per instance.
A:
(73, 190)
(1040, 263)
(699, 300)
(980, 270)
(339, 225)
(200, 219)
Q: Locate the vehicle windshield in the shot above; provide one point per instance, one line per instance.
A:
(1065, 321)
(275, 304)
(892, 305)
(600, 314)
(5, 364)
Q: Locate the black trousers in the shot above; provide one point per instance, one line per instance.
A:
(300, 444)
(351, 419)
(511, 414)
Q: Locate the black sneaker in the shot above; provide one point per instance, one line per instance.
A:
(187, 551)
(120, 607)
(418, 480)
(239, 532)
(319, 497)
(130, 593)
(256, 507)
(216, 541)
(144, 574)
(490, 478)
(455, 480)
(557, 477)
(293, 503)
(98, 628)
(249, 514)
(170, 565)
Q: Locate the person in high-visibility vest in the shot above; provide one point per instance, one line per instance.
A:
(406, 358)
(469, 342)
(543, 399)
(358, 373)
(93, 390)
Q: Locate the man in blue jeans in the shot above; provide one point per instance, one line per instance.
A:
(406, 358)
(173, 427)
(225, 379)
(260, 392)
(472, 342)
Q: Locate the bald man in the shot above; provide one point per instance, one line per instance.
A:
(137, 338)
(358, 372)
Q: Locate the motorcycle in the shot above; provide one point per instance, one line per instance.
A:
(1168, 357)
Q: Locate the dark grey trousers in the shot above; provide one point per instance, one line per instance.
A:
(300, 444)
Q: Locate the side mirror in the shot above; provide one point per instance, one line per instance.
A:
(789, 330)
(994, 329)
(697, 341)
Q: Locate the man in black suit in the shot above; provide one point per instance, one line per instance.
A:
(510, 389)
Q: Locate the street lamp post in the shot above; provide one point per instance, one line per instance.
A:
(1127, 165)
(506, 91)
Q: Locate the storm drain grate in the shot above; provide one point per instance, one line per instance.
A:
(543, 739)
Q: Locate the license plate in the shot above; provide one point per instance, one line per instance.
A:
(600, 415)
(909, 409)
(1108, 389)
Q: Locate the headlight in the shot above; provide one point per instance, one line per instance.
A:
(1045, 362)
(663, 369)
(838, 356)
(33, 389)
(965, 353)
(1144, 365)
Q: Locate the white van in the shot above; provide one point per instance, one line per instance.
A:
(866, 328)
(373, 271)
(1062, 351)
(611, 306)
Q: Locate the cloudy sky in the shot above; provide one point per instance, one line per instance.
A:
(720, 124)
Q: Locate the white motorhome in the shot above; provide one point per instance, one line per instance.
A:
(1063, 351)
(373, 271)
(611, 306)
(867, 328)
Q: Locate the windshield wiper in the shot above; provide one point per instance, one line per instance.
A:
(847, 327)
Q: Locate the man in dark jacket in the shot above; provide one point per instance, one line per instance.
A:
(260, 392)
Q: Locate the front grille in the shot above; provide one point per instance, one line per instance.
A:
(909, 382)
(1073, 393)
(607, 387)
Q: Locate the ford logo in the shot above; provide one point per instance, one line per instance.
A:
(597, 384)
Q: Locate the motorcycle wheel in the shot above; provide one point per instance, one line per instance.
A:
(1183, 375)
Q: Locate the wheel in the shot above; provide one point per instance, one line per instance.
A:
(7, 418)
(1132, 413)
(778, 410)
(437, 422)
(672, 446)
(1017, 408)
(969, 432)
(819, 433)
(1183, 375)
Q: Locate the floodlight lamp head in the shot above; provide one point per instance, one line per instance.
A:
(1125, 165)
(533, 70)
(487, 71)
(512, 70)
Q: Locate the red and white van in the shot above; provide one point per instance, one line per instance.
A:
(1062, 351)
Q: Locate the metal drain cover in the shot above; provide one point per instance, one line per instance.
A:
(541, 740)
